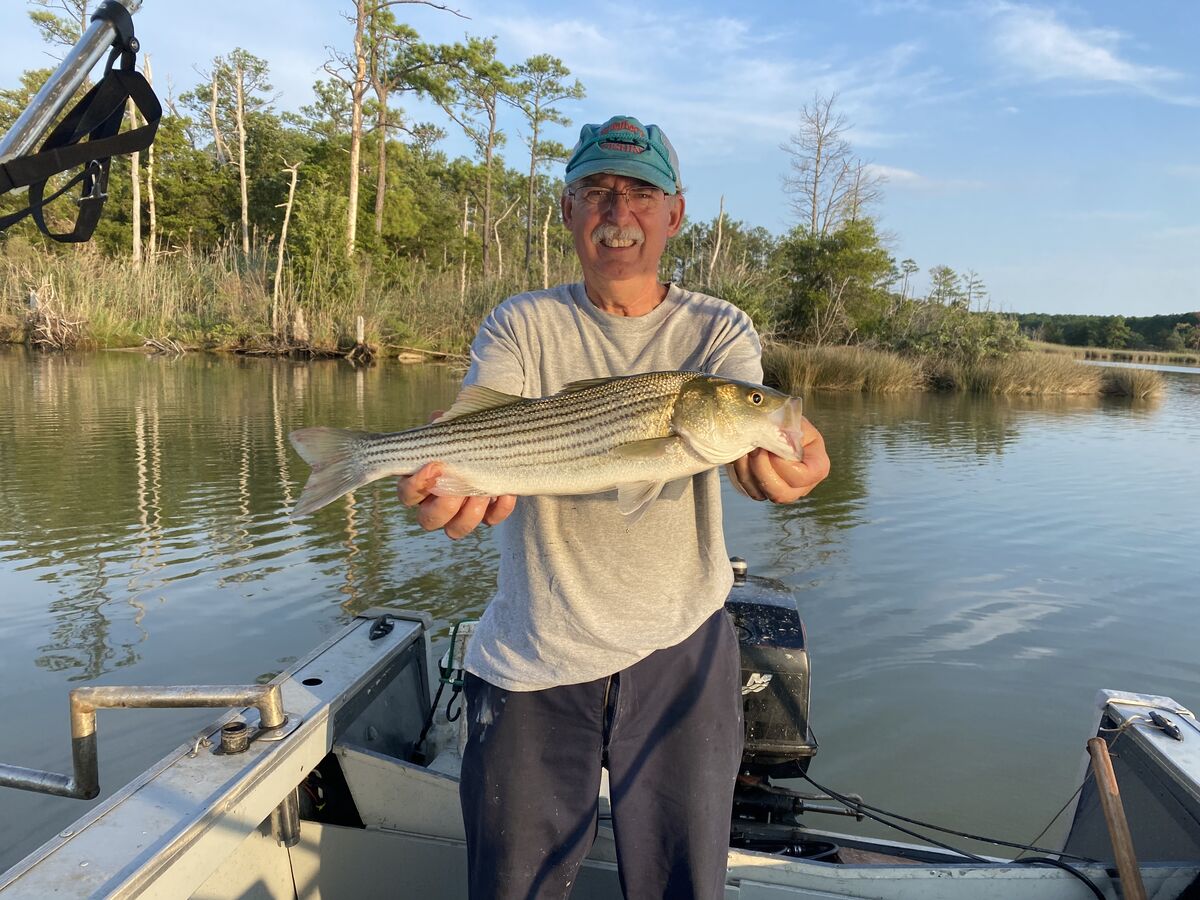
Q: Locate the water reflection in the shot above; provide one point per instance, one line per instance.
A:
(970, 552)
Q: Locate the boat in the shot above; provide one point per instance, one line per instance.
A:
(339, 778)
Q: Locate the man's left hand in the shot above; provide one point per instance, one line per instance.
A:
(761, 475)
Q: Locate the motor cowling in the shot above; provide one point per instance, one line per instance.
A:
(775, 676)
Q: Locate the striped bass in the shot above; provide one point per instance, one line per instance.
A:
(634, 433)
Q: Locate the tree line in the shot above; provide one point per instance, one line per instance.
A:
(352, 196)
(1169, 332)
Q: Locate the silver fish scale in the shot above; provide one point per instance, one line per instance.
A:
(545, 431)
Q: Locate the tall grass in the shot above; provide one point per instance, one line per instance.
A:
(224, 299)
(797, 369)
(1140, 384)
(1020, 373)
(1108, 354)
(1034, 373)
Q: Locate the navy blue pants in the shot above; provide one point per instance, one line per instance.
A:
(669, 730)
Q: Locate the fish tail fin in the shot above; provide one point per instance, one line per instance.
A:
(336, 467)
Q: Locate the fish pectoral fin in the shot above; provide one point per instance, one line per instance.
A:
(634, 499)
(476, 398)
(674, 489)
(650, 448)
(450, 484)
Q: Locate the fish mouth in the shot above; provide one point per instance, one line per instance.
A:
(789, 419)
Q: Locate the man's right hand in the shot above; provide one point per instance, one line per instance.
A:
(457, 516)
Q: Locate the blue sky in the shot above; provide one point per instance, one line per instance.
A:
(1054, 149)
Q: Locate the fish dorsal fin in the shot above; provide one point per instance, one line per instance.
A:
(634, 499)
(476, 398)
(571, 386)
(650, 448)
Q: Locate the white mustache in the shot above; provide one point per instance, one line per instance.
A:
(608, 232)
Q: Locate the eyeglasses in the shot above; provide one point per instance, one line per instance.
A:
(640, 199)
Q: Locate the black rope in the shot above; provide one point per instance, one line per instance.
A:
(861, 806)
(865, 810)
(869, 811)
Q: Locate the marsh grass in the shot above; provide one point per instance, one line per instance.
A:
(1107, 354)
(798, 369)
(1018, 374)
(223, 300)
(1139, 384)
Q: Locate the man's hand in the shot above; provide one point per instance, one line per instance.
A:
(761, 475)
(457, 516)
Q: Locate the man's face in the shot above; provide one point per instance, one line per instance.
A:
(615, 242)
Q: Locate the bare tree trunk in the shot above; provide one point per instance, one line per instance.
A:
(240, 87)
(487, 200)
(546, 246)
(533, 144)
(357, 89)
(219, 146)
(462, 271)
(135, 187)
(381, 125)
(712, 263)
(499, 246)
(151, 208)
(294, 168)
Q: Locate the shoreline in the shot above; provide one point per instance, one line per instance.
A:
(793, 368)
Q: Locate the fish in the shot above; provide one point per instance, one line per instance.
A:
(632, 433)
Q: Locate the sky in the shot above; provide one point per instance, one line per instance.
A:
(1052, 148)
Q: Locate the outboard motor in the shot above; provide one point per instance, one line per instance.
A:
(775, 705)
(775, 677)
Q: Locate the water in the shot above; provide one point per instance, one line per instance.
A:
(970, 574)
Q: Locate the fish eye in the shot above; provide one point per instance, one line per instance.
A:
(756, 398)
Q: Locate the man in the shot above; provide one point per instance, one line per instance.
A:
(606, 643)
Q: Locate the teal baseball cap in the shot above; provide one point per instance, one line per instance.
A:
(624, 146)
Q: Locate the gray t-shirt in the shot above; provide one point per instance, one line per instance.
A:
(581, 593)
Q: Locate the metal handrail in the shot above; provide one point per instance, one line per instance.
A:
(46, 106)
(84, 784)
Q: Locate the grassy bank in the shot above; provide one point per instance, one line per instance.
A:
(223, 301)
(1108, 354)
(798, 369)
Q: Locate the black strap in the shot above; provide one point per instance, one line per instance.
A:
(96, 117)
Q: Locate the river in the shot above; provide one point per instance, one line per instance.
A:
(972, 572)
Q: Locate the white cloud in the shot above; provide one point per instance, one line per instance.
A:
(752, 90)
(1189, 233)
(1035, 44)
(902, 179)
(895, 175)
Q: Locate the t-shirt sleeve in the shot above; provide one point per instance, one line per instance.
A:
(736, 350)
(496, 359)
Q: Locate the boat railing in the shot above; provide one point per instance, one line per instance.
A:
(84, 783)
